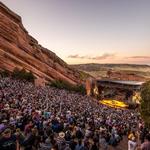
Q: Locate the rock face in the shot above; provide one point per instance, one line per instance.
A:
(19, 49)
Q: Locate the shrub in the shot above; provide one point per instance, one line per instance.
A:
(23, 75)
(83, 75)
(80, 89)
(4, 73)
(65, 85)
(16, 73)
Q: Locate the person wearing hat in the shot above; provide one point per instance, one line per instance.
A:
(61, 140)
(8, 141)
(61, 135)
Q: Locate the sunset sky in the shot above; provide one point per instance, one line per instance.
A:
(89, 31)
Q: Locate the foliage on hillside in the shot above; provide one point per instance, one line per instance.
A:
(23, 75)
(64, 85)
(4, 73)
(145, 103)
(18, 74)
(84, 75)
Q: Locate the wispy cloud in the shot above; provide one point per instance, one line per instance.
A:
(77, 56)
(139, 57)
(102, 57)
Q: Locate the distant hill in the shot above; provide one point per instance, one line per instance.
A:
(101, 70)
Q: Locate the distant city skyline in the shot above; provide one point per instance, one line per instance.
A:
(89, 31)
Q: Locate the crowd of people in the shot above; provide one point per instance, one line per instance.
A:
(46, 118)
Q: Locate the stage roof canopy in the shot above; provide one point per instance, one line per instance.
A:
(105, 82)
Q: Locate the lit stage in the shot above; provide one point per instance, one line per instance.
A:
(114, 103)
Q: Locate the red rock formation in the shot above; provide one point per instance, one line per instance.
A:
(19, 49)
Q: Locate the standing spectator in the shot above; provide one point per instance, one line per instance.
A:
(146, 144)
(132, 144)
(8, 141)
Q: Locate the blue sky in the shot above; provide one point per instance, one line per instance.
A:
(89, 31)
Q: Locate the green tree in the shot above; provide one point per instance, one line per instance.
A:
(4, 73)
(30, 77)
(16, 73)
(60, 84)
(145, 103)
(23, 75)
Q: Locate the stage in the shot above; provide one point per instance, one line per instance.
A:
(114, 103)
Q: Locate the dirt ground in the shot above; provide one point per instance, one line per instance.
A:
(123, 145)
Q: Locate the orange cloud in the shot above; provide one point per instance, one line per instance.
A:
(102, 57)
(139, 57)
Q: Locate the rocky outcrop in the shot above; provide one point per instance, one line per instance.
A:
(19, 49)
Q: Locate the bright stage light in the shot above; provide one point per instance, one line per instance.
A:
(114, 103)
